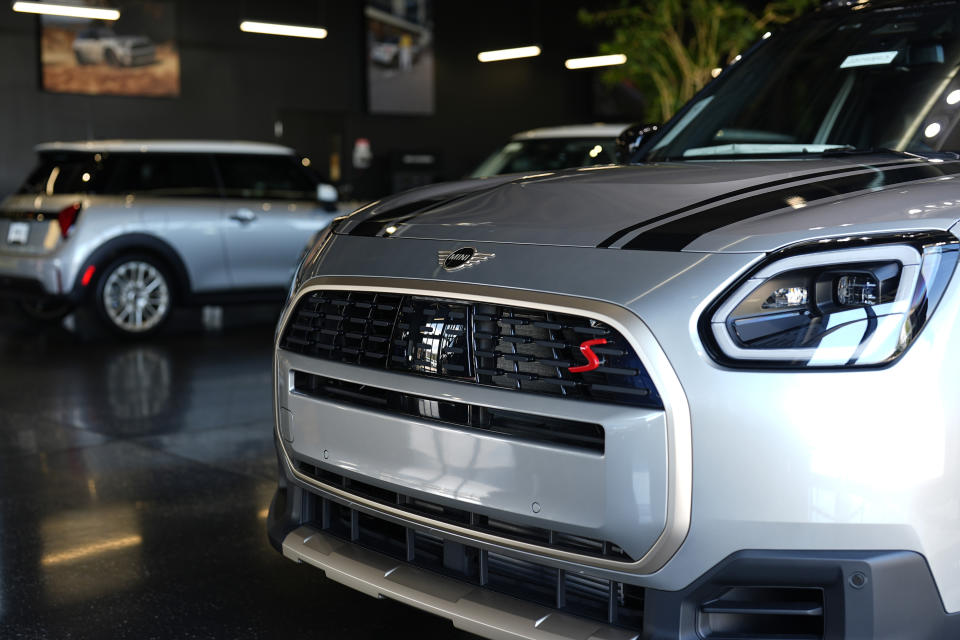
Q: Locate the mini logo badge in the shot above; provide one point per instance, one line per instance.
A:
(462, 258)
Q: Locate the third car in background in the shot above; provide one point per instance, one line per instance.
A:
(554, 148)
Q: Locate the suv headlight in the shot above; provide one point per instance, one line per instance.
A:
(836, 308)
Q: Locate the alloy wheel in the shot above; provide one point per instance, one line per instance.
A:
(136, 296)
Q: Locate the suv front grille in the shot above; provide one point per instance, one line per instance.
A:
(502, 346)
(595, 598)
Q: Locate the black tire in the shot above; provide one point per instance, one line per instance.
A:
(45, 309)
(80, 59)
(135, 295)
(110, 57)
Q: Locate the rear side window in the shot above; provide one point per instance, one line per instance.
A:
(163, 174)
(265, 177)
(64, 172)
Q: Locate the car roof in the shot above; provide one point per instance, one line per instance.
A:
(595, 130)
(181, 146)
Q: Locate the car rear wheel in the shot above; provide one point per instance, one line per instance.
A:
(81, 60)
(135, 295)
(111, 58)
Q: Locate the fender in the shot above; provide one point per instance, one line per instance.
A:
(131, 243)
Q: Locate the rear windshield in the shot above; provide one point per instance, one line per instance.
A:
(64, 172)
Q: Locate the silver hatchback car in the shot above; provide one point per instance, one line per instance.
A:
(136, 227)
(708, 395)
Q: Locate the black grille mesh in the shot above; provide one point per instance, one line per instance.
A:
(502, 346)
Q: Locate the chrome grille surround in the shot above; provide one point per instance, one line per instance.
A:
(675, 408)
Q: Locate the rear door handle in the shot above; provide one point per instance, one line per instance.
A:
(244, 216)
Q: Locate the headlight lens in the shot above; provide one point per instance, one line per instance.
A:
(846, 308)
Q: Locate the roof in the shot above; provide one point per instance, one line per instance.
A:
(182, 146)
(595, 130)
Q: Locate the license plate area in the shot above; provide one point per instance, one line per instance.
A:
(18, 233)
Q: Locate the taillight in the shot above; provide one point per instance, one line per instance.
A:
(67, 217)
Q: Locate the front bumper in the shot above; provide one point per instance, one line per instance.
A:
(852, 595)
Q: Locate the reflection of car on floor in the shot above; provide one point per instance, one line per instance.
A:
(136, 227)
(99, 45)
(554, 148)
(708, 395)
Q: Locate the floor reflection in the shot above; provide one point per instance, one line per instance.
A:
(92, 552)
(134, 483)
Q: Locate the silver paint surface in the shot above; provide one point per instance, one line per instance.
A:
(782, 460)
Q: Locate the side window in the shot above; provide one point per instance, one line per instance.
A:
(265, 177)
(164, 174)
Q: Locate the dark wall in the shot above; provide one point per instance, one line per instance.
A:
(236, 85)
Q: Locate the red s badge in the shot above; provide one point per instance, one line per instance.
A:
(592, 360)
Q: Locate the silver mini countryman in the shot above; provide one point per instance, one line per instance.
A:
(136, 227)
(709, 394)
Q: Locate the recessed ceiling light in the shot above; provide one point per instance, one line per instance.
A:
(508, 54)
(272, 29)
(595, 61)
(66, 10)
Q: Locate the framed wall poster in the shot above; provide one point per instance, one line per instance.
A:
(400, 71)
(135, 55)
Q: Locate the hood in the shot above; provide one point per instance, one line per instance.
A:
(742, 206)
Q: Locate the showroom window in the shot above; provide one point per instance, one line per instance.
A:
(265, 177)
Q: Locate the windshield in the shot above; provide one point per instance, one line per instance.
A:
(837, 82)
(544, 154)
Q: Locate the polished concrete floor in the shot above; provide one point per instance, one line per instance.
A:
(134, 483)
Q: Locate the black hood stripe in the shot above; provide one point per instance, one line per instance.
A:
(375, 226)
(678, 234)
(740, 192)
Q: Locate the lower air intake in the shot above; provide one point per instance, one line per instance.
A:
(597, 599)
(763, 613)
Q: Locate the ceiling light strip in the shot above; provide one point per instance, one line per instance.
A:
(272, 29)
(595, 61)
(508, 54)
(66, 10)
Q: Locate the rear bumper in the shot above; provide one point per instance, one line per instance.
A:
(29, 277)
(21, 288)
(849, 595)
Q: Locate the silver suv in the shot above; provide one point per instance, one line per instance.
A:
(136, 227)
(709, 395)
